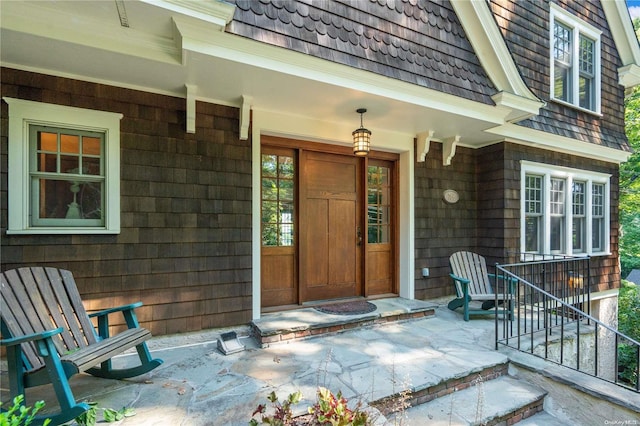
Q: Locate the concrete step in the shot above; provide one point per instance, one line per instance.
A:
(285, 326)
(502, 400)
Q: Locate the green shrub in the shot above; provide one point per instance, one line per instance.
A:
(629, 324)
(20, 415)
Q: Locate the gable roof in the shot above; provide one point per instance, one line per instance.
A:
(418, 42)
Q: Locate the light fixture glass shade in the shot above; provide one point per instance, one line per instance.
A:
(361, 141)
(361, 137)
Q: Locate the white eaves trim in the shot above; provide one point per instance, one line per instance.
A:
(195, 37)
(626, 42)
(488, 43)
(535, 138)
(217, 13)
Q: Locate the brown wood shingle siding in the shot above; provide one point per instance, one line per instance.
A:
(487, 217)
(417, 41)
(525, 26)
(185, 245)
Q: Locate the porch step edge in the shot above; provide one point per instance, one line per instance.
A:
(504, 400)
(308, 322)
(427, 392)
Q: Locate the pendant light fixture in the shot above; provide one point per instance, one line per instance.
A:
(361, 137)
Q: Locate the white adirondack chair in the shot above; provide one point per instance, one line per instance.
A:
(474, 283)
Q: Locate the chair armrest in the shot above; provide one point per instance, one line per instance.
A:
(30, 337)
(116, 309)
(460, 279)
(464, 284)
(103, 318)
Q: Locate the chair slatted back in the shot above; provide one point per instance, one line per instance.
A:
(473, 267)
(37, 299)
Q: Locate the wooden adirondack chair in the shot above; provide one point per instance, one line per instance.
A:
(49, 337)
(474, 283)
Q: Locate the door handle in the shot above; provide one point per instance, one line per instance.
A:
(359, 235)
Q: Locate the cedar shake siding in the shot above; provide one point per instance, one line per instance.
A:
(525, 27)
(487, 217)
(184, 248)
(441, 228)
(417, 41)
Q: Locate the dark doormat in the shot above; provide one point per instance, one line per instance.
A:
(356, 307)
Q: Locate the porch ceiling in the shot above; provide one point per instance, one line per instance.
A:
(85, 40)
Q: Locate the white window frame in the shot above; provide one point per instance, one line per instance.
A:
(23, 114)
(579, 27)
(548, 172)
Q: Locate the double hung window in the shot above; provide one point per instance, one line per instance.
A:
(565, 210)
(575, 59)
(64, 169)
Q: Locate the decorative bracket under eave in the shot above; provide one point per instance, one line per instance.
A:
(448, 146)
(245, 117)
(449, 149)
(191, 107)
(427, 137)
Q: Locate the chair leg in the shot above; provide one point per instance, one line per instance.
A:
(455, 303)
(69, 408)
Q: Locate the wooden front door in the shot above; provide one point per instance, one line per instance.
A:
(327, 223)
(331, 232)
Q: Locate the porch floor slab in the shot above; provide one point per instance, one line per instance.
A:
(198, 385)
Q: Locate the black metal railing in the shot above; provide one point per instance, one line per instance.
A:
(551, 319)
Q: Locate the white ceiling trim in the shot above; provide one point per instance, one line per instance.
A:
(59, 25)
(535, 138)
(201, 39)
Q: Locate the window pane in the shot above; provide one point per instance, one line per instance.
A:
(586, 55)
(47, 163)
(278, 202)
(269, 165)
(532, 234)
(69, 164)
(378, 204)
(578, 234)
(562, 84)
(557, 196)
(562, 36)
(91, 166)
(597, 200)
(586, 90)
(597, 234)
(557, 233)
(579, 198)
(285, 189)
(597, 221)
(47, 142)
(62, 199)
(91, 146)
(562, 50)
(533, 194)
(285, 170)
(269, 234)
(269, 212)
(269, 189)
(70, 144)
